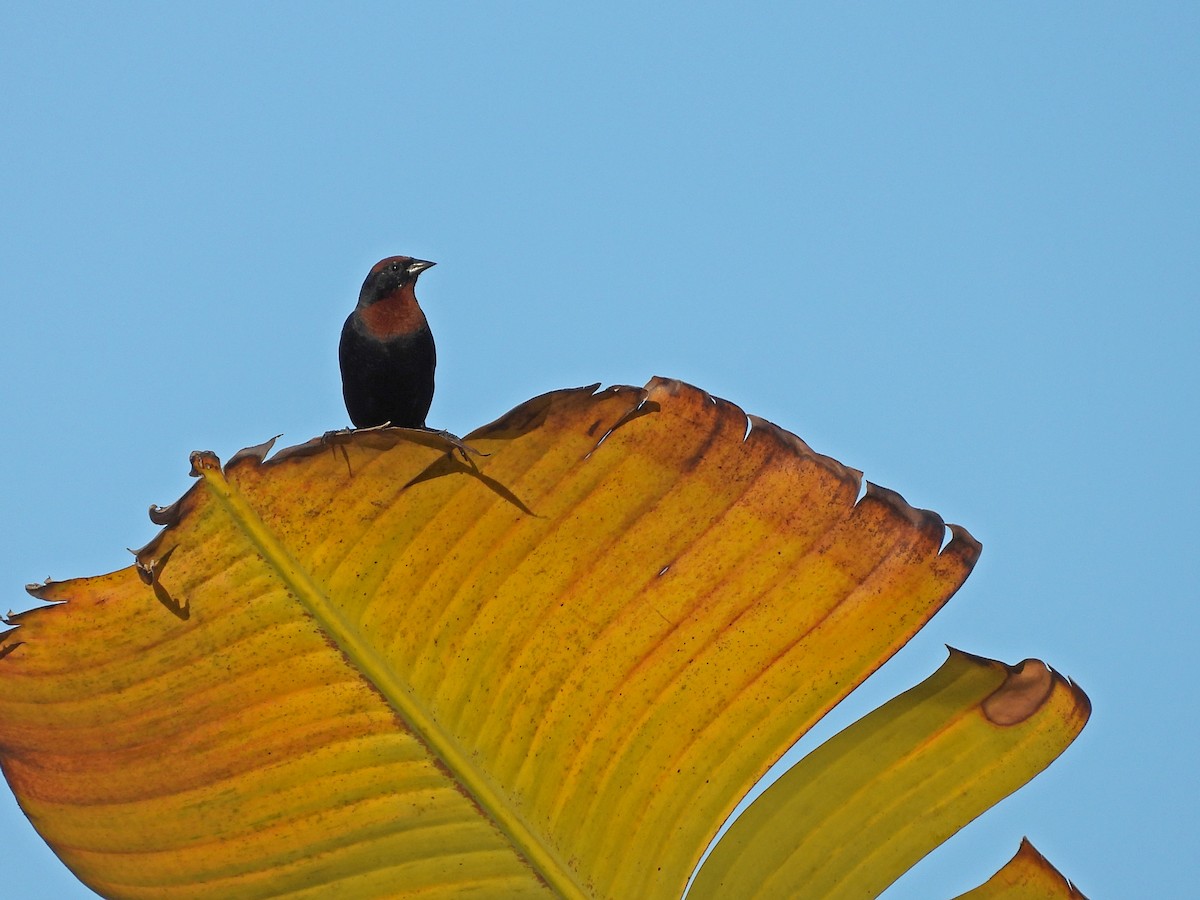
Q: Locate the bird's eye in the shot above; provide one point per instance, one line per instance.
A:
(395, 267)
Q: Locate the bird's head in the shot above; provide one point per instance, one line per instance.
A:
(390, 275)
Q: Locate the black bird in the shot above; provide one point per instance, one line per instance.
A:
(386, 352)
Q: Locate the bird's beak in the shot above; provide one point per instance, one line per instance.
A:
(417, 266)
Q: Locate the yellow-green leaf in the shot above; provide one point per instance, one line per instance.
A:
(376, 665)
(1027, 876)
(859, 811)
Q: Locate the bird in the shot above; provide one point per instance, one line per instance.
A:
(386, 352)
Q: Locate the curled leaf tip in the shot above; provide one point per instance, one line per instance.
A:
(1025, 689)
(962, 544)
(164, 515)
(38, 588)
(203, 461)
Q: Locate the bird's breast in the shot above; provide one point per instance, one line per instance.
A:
(393, 316)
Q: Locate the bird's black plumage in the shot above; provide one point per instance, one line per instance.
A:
(386, 352)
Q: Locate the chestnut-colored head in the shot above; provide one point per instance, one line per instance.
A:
(389, 276)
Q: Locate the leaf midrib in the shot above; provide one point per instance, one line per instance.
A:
(363, 657)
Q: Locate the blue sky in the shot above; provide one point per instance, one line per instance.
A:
(952, 245)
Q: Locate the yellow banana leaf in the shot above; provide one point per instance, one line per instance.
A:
(863, 808)
(1027, 876)
(381, 665)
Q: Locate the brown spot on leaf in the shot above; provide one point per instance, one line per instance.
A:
(1024, 691)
